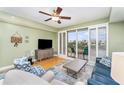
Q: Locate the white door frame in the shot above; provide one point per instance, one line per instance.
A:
(61, 32)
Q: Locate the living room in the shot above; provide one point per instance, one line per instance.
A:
(98, 32)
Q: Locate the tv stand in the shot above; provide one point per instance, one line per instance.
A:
(44, 53)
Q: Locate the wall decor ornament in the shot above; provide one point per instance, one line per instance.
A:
(26, 39)
(16, 38)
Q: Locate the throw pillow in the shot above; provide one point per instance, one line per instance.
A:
(106, 61)
(24, 65)
(21, 63)
(20, 60)
(37, 70)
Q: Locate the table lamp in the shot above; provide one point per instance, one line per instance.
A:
(117, 67)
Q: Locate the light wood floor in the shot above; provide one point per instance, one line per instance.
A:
(48, 63)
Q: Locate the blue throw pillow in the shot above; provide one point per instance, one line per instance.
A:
(21, 63)
(24, 65)
(39, 71)
(106, 61)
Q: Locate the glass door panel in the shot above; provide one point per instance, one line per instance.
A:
(92, 38)
(64, 43)
(102, 37)
(60, 43)
(71, 43)
(83, 43)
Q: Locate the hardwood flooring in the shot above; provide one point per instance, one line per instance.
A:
(48, 63)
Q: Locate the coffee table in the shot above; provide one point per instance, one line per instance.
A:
(74, 67)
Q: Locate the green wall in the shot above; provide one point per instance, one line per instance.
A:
(116, 37)
(7, 50)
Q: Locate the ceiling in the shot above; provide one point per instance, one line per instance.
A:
(117, 14)
(77, 14)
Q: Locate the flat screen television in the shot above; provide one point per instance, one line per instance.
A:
(44, 43)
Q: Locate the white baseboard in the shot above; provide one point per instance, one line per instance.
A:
(66, 57)
(55, 55)
(6, 68)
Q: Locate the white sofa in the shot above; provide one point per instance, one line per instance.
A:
(18, 77)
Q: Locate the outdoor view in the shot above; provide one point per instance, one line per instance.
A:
(82, 43)
(71, 44)
(97, 45)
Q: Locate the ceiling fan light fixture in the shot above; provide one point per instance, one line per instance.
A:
(54, 18)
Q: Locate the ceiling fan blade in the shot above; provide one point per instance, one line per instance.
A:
(48, 19)
(64, 17)
(45, 13)
(59, 22)
(58, 10)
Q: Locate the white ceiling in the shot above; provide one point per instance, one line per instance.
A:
(77, 14)
(117, 14)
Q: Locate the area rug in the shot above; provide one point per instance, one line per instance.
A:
(61, 74)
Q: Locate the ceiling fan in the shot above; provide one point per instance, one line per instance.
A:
(55, 16)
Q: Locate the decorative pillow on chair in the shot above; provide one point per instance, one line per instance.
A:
(24, 65)
(106, 61)
(20, 59)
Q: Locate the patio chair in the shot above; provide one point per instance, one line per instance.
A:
(85, 52)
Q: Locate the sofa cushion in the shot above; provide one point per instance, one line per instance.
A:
(48, 76)
(106, 61)
(94, 82)
(18, 77)
(102, 66)
(102, 71)
(104, 79)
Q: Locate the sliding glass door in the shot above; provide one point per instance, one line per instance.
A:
(102, 41)
(98, 42)
(85, 43)
(92, 44)
(82, 43)
(71, 43)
